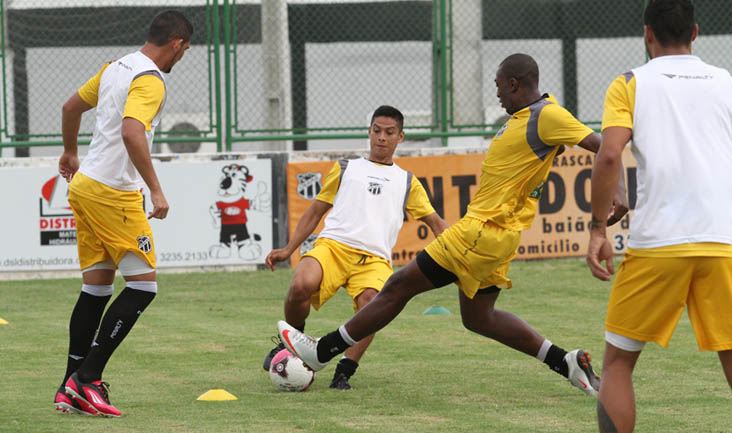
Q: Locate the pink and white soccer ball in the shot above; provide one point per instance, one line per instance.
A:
(288, 373)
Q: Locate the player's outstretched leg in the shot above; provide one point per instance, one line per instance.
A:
(397, 291)
(581, 373)
(480, 316)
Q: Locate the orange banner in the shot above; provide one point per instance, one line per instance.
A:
(559, 229)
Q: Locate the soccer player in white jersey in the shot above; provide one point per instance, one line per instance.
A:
(367, 199)
(678, 112)
(112, 229)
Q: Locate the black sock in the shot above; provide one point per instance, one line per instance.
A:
(330, 346)
(116, 324)
(347, 367)
(300, 328)
(555, 360)
(82, 327)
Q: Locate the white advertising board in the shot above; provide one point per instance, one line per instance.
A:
(204, 226)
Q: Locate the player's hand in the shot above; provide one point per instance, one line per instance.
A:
(600, 251)
(619, 207)
(160, 205)
(68, 164)
(276, 256)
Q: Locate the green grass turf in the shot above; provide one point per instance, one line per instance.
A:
(423, 373)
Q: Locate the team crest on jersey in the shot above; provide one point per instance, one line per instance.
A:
(536, 193)
(308, 185)
(375, 188)
(144, 244)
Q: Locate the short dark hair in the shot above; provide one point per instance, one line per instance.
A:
(522, 67)
(391, 112)
(672, 21)
(167, 26)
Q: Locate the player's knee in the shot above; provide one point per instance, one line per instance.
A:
(367, 296)
(393, 290)
(300, 291)
(483, 324)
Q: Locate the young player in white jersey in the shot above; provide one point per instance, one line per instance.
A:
(678, 112)
(112, 229)
(367, 199)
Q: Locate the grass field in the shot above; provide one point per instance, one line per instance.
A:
(424, 373)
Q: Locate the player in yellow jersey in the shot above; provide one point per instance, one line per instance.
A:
(476, 251)
(678, 112)
(112, 229)
(367, 200)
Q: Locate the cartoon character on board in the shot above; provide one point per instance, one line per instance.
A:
(229, 213)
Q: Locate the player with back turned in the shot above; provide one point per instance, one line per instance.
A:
(678, 112)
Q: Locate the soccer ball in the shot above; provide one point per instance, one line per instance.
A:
(288, 373)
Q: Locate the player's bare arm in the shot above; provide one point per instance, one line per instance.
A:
(133, 135)
(435, 223)
(620, 205)
(308, 222)
(70, 123)
(605, 177)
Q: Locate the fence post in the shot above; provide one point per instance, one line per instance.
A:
(466, 51)
(441, 58)
(276, 60)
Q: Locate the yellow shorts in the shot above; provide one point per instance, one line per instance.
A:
(478, 252)
(650, 293)
(348, 267)
(109, 223)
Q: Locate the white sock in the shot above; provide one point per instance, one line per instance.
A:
(344, 334)
(541, 356)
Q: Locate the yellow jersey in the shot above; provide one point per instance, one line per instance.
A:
(519, 160)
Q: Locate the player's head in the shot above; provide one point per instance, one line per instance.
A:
(516, 78)
(385, 132)
(170, 30)
(669, 24)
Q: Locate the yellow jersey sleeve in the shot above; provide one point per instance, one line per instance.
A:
(89, 92)
(418, 203)
(144, 98)
(330, 186)
(620, 102)
(557, 127)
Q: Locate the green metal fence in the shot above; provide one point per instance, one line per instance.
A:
(278, 74)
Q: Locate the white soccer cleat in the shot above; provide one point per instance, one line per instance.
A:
(303, 346)
(581, 373)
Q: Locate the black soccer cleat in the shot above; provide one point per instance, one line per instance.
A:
(268, 359)
(340, 381)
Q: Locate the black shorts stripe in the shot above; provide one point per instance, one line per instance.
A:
(438, 276)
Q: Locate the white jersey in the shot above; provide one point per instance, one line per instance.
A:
(369, 207)
(108, 161)
(682, 141)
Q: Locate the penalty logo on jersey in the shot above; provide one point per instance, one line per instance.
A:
(375, 188)
(308, 185)
(144, 244)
